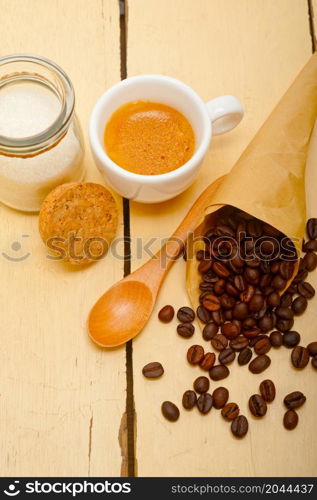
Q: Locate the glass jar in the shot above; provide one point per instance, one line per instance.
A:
(41, 144)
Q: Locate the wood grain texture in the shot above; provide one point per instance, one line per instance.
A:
(252, 50)
(61, 398)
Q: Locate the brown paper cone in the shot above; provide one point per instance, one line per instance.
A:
(268, 180)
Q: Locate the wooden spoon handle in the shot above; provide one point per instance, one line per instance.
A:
(154, 271)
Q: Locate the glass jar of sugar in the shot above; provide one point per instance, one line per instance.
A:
(41, 143)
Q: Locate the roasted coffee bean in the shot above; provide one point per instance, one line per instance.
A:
(300, 357)
(219, 287)
(201, 254)
(300, 276)
(266, 323)
(310, 246)
(256, 339)
(185, 315)
(189, 400)
(267, 248)
(217, 317)
(276, 339)
(265, 266)
(218, 372)
(261, 313)
(239, 343)
(310, 260)
(286, 299)
(204, 403)
(204, 266)
(247, 294)
(254, 262)
(306, 290)
(291, 339)
(284, 313)
(203, 314)
(244, 356)
(252, 275)
(240, 310)
(211, 302)
(273, 299)
(224, 230)
(312, 348)
(195, 354)
(231, 290)
(267, 390)
(314, 362)
(262, 346)
(299, 305)
(239, 426)
(201, 384)
(290, 420)
(219, 342)
(257, 405)
(275, 267)
(265, 281)
(210, 330)
(208, 361)
(278, 282)
(284, 325)
(254, 228)
(166, 314)
(211, 278)
(226, 356)
(286, 269)
(243, 215)
(274, 319)
(256, 303)
(230, 330)
(228, 316)
(311, 228)
(271, 231)
(237, 263)
(249, 323)
(153, 370)
(230, 411)
(240, 282)
(185, 330)
(220, 270)
(294, 400)
(170, 411)
(206, 287)
(226, 301)
(220, 397)
(259, 364)
(251, 333)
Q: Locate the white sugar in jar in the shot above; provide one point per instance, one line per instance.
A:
(41, 143)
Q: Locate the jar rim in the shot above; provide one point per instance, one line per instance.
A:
(44, 139)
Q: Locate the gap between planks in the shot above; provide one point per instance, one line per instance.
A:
(127, 431)
(312, 25)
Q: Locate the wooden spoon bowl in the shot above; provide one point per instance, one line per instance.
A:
(122, 312)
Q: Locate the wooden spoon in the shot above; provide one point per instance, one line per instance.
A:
(122, 312)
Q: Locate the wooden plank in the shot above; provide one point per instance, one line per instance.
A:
(252, 50)
(61, 397)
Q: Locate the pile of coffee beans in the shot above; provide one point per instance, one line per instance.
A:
(245, 267)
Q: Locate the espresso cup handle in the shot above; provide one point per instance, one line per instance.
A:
(225, 113)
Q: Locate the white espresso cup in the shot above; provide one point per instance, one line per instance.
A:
(214, 117)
